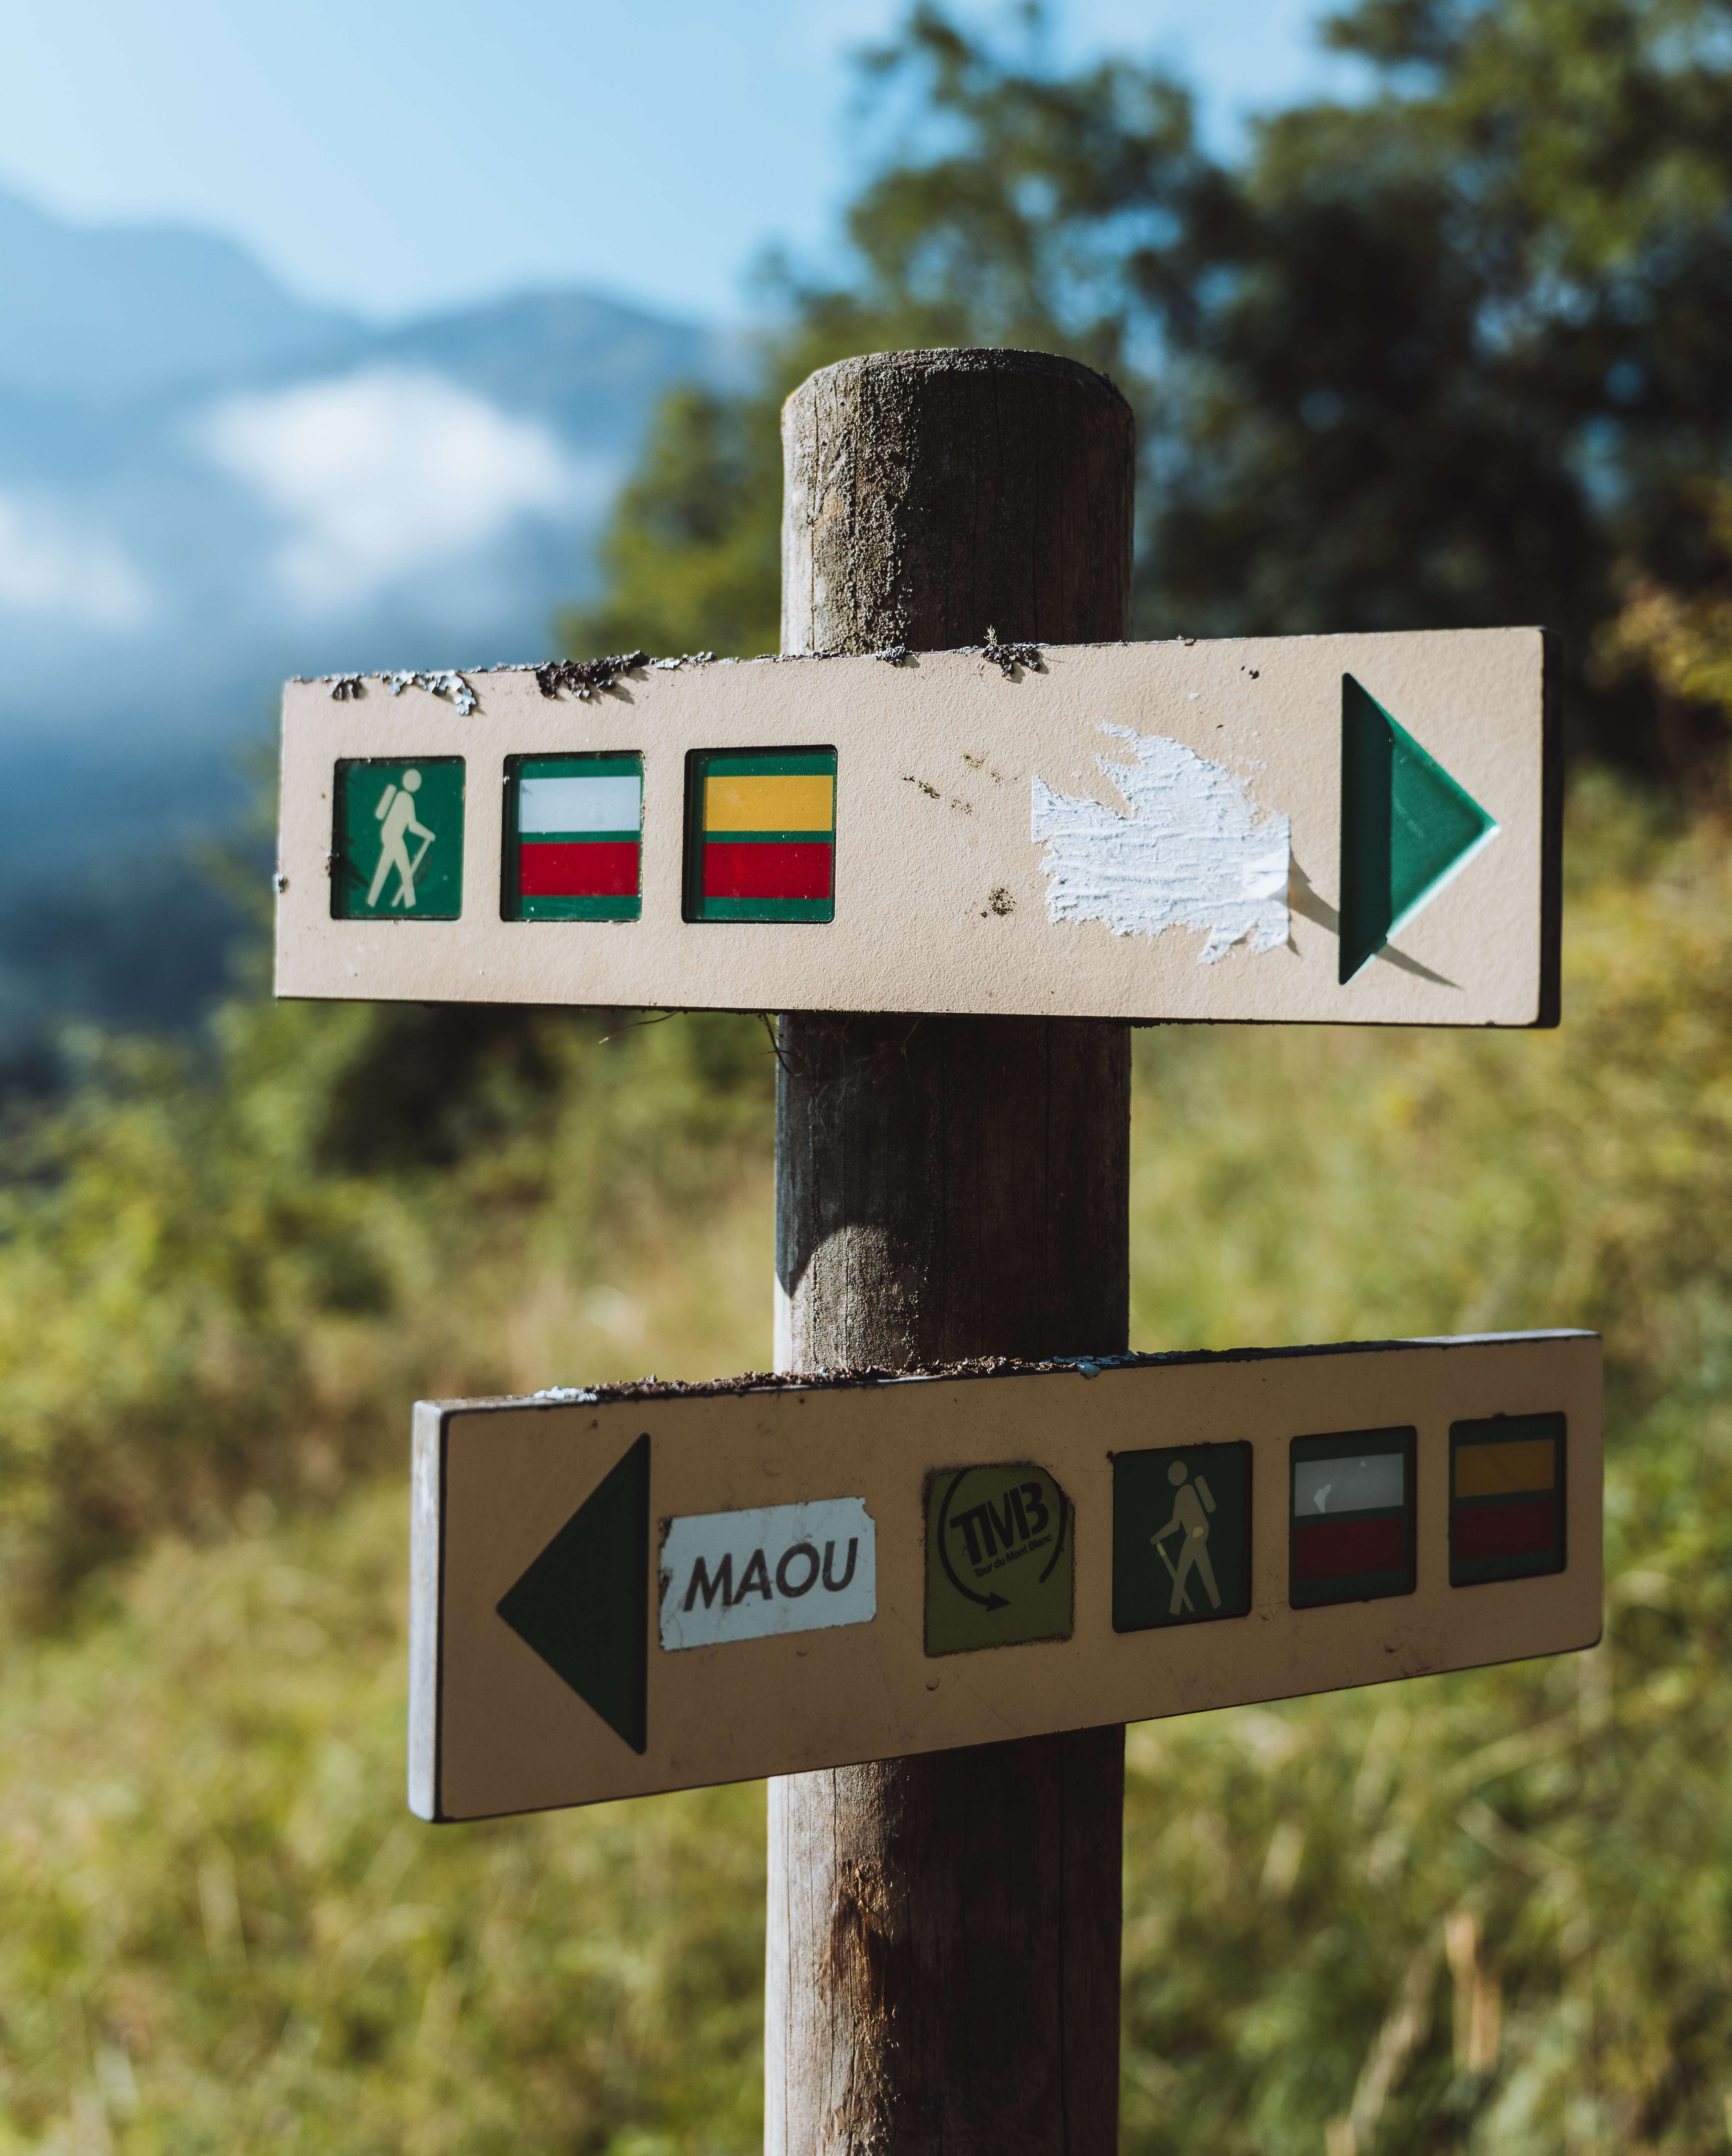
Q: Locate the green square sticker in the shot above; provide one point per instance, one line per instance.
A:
(1351, 1527)
(573, 837)
(1506, 1498)
(397, 839)
(1181, 1535)
(760, 835)
(999, 1549)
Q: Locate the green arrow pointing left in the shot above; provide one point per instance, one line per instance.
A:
(584, 1605)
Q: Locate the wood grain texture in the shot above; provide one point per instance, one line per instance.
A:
(942, 1963)
(943, 1960)
(931, 496)
(950, 1187)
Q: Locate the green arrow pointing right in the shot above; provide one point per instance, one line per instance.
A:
(1407, 827)
(584, 1605)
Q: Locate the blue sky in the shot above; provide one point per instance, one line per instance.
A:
(393, 156)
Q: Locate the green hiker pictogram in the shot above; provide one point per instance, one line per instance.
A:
(397, 847)
(1181, 1535)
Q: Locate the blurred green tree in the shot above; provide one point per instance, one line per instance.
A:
(691, 559)
(1450, 355)
(1683, 642)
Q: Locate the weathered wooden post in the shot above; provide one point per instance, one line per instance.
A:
(943, 1932)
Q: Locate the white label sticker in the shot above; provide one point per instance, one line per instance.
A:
(781, 1568)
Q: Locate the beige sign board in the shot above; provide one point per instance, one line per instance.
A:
(616, 1595)
(1150, 831)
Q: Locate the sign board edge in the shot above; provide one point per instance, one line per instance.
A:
(1552, 776)
(1083, 1366)
(427, 1507)
(915, 1749)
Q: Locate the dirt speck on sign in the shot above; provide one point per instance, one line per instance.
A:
(587, 678)
(1010, 659)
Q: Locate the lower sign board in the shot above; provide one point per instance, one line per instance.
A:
(1357, 830)
(656, 1587)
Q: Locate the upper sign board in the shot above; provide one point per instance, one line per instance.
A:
(1338, 830)
(618, 1595)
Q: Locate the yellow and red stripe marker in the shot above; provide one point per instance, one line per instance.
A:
(761, 835)
(1506, 1498)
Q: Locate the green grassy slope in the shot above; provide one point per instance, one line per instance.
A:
(220, 1930)
(1486, 1913)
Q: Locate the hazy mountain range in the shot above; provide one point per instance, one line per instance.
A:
(207, 485)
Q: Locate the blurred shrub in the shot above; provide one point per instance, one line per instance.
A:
(219, 1929)
(233, 1272)
(1357, 1183)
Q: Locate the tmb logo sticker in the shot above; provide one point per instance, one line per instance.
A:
(999, 1549)
(780, 1568)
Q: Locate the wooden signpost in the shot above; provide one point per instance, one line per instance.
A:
(1345, 829)
(652, 1589)
(958, 851)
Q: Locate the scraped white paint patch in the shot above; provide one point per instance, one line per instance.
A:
(449, 685)
(1195, 851)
